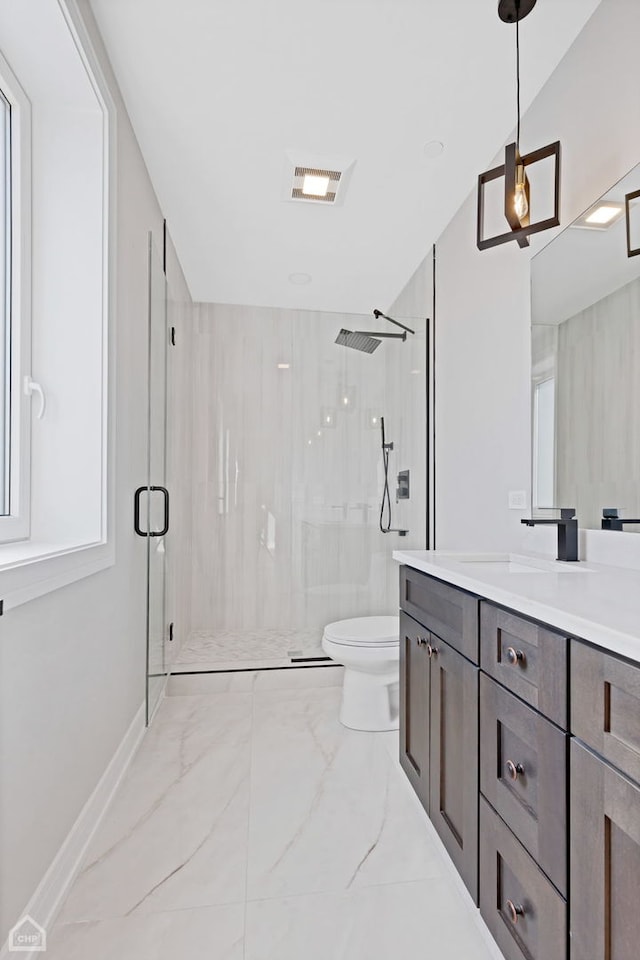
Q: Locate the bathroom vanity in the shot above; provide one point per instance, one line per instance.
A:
(520, 733)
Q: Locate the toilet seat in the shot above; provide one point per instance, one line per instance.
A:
(374, 632)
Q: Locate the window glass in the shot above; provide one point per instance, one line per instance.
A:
(5, 301)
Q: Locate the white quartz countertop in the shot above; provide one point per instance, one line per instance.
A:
(587, 600)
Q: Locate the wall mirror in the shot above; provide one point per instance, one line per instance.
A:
(585, 360)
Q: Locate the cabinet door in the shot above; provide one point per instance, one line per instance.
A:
(453, 792)
(523, 910)
(449, 612)
(605, 706)
(605, 860)
(414, 705)
(523, 767)
(527, 659)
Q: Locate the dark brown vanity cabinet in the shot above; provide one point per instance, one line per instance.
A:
(453, 767)
(605, 806)
(523, 775)
(414, 705)
(542, 743)
(439, 713)
(523, 785)
(523, 910)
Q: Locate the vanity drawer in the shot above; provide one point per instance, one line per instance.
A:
(523, 774)
(526, 658)
(605, 706)
(446, 611)
(511, 881)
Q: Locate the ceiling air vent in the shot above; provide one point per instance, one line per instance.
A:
(316, 178)
(313, 183)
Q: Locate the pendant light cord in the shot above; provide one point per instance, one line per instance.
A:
(518, 73)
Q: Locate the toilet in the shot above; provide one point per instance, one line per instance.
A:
(369, 649)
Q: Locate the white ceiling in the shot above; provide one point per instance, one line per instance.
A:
(219, 90)
(580, 267)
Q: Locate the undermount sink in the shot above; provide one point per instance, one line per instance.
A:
(512, 563)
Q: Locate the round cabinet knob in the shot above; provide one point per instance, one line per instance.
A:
(421, 641)
(515, 657)
(514, 770)
(514, 910)
(431, 650)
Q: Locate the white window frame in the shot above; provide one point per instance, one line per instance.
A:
(33, 567)
(16, 524)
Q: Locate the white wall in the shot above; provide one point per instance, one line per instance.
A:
(265, 465)
(591, 104)
(72, 663)
(285, 506)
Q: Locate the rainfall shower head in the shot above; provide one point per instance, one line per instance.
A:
(359, 341)
(370, 340)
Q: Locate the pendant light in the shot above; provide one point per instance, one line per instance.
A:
(629, 203)
(517, 195)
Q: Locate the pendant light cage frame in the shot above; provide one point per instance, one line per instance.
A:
(520, 230)
(628, 198)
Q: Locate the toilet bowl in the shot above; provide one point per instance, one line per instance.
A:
(369, 649)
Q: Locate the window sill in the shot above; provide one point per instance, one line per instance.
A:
(31, 569)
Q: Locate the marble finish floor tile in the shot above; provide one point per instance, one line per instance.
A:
(253, 826)
(216, 933)
(176, 834)
(328, 809)
(424, 920)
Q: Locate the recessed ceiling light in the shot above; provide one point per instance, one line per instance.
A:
(601, 215)
(283, 366)
(433, 149)
(314, 185)
(299, 279)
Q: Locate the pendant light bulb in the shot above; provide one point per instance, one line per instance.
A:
(520, 201)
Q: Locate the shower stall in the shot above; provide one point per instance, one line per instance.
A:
(286, 479)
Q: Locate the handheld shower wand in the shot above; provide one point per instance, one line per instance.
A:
(385, 505)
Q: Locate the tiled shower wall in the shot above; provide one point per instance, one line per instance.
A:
(286, 473)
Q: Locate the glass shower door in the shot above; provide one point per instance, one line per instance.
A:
(155, 495)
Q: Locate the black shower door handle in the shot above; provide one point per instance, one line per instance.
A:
(136, 512)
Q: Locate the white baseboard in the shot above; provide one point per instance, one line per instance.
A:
(54, 886)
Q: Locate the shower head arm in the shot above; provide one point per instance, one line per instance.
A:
(378, 313)
(386, 336)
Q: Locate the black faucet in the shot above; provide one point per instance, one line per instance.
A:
(611, 520)
(567, 532)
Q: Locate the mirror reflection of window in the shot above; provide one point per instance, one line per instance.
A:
(544, 443)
